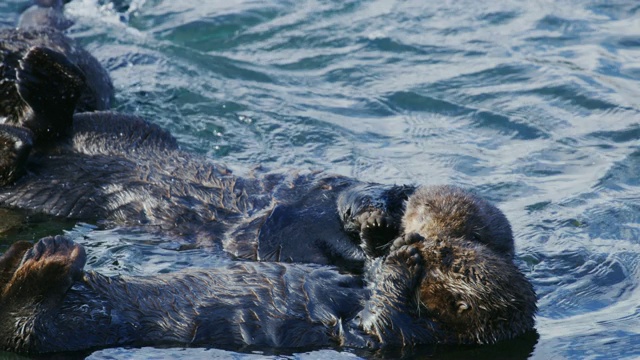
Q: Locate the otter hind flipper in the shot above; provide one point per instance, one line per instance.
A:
(15, 146)
(32, 294)
(46, 271)
(10, 260)
(51, 85)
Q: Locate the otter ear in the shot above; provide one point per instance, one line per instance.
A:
(462, 306)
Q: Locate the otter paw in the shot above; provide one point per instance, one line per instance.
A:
(407, 239)
(376, 231)
(407, 256)
(49, 267)
(15, 146)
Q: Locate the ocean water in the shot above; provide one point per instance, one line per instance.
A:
(532, 104)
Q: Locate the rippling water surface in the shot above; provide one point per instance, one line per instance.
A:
(533, 104)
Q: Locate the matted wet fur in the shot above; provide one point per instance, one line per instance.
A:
(61, 78)
(41, 26)
(96, 93)
(119, 170)
(248, 305)
(446, 211)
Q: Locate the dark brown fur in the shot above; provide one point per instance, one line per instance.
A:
(119, 170)
(257, 305)
(41, 26)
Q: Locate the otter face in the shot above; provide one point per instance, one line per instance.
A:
(451, 212)
(455, 291)
(473, 295)
(470, 287)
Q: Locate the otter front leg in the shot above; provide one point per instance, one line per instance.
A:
(373, 212)
(377, 228)
(392, 312)
(15, 146)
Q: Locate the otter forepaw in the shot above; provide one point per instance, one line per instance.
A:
(407, 239)
(49, 267)
(15, 146)
(376, 231)
(407, 256)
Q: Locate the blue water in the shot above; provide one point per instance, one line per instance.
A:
(533, 104)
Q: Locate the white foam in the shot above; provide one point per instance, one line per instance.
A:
(92, 9)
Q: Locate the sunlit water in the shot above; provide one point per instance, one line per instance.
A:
(533, 104)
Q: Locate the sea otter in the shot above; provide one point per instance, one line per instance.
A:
(41, 26)
(120, 170)
(442, 290)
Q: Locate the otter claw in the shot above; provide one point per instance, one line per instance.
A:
(376, 231)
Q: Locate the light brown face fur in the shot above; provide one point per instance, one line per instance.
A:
(474, 295)
(451, 212)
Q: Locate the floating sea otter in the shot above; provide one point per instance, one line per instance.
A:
(443, 289)
(122, 171)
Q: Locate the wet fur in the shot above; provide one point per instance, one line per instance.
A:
(446, 211)
(450, 279)
(120, 170)
(38, 96)
(96, 94)
(250, 304)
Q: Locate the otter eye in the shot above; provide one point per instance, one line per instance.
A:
(462, 306)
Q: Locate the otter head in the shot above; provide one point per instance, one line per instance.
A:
(471, 294)
(451, 212)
